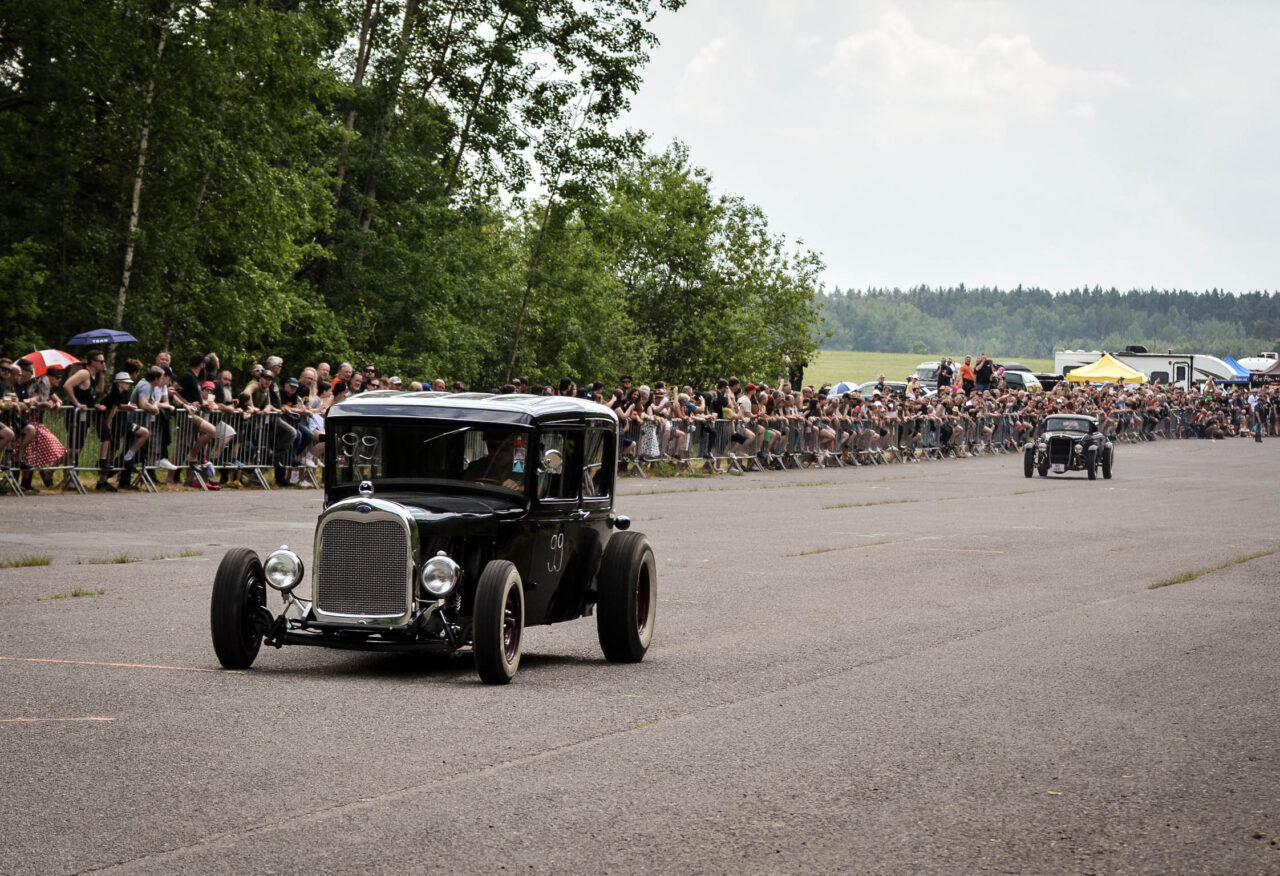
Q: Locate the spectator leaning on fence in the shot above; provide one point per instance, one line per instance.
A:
(294, 409)
(191, 396)
(9, 413)
(37, 446)
(122, 432)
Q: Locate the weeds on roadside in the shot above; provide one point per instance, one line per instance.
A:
(117, 559)
(80, 591)
(24, 560)
(1184, 577)
(185, 552)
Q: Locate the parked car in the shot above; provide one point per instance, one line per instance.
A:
(1022, 380)
(451, 523)
(892, 387)
(1068, 442)
(927, 374)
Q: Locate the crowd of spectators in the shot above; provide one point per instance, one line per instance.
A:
(965, 415)
(971, 410)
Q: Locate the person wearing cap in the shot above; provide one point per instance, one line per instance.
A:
(294, 409)
(119, 430)
(394, 383)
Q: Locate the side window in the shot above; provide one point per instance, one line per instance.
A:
(598, 464)
(562, 484)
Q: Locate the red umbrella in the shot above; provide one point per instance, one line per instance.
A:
(42, 359)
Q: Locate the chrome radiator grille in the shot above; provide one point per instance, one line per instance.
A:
(362, 568)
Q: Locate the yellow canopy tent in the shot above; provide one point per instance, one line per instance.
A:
(1106, 370)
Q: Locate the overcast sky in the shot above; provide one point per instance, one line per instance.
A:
(1127, 143)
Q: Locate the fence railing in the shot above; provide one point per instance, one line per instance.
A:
(246, 447)
(221, 445)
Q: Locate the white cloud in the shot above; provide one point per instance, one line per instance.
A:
(699, 92)
(894, 64)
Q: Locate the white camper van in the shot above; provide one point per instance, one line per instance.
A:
(1168, 369)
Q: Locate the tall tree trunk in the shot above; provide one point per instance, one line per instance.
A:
(384, 127)
(364, 48)
(471, 112)
(135, 208)
(534, 261)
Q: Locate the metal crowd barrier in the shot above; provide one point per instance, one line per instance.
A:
(237, 445)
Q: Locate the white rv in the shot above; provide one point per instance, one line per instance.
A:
(1168, 369)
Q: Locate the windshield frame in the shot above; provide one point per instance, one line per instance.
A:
(443, 471)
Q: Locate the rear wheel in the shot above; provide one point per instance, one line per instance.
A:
(1106, 463)
(239, 590)
(498, 622)
(627, 602)
(1028, 461)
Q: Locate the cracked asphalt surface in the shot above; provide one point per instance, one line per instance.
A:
(930, 668)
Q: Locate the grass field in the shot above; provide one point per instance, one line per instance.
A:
(832, 366)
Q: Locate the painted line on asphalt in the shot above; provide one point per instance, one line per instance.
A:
(45, 720)
(962, 550)
(122, 665)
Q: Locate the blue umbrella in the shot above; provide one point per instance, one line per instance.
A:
(101, 336)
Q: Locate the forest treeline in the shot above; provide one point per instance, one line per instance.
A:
(440, 187)
(1034, 322)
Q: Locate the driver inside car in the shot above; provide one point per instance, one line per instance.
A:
(498, 467)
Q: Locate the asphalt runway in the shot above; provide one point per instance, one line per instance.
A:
(931, 668)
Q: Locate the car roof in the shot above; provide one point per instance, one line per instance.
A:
(510, 408)
(1071, 417)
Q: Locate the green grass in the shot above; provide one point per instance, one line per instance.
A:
(116, 559)
(23, 560)
(79, 591)
(832, 366)
(185, 552)
(1200, 573)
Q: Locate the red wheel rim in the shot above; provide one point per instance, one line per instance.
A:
(511, 626)
(643, 595)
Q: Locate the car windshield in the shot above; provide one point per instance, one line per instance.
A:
(437, 453)
(1066, 424)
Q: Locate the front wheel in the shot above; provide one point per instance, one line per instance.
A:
(239, 590)
(498, 622)
(1092, 465)
(627, 601)
(1106, 463)
(1028, 461)
(1043, 468)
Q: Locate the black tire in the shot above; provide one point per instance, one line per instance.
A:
(1028, 461)
(239, 590)
(627, 601)
(1092, 465)
(1043, 469)
(498, 622)
(1106, 463)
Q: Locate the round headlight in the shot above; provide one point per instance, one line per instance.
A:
(283, 570)
(1079, 448)
(440, 575)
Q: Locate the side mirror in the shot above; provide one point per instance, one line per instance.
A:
(552, 462)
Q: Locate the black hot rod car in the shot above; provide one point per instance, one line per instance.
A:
(1068, 442)
(452, 522)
